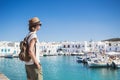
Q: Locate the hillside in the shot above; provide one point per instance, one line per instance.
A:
(112, 39)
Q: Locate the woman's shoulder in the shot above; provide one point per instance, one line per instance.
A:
(33, 34)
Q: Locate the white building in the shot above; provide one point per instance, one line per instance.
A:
(53, 48)
(49, 48)
(112, 46)
(71, 47)
(9, 48)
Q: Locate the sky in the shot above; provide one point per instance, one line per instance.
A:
(62, 20)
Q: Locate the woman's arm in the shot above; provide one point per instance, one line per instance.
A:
(32, 52)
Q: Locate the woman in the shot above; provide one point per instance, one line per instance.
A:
(33, 67)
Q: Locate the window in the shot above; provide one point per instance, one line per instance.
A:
(68, 46)
(8, 50)
(109, 44)
(110, 49)
(115, 49)
(14, 52)
(76, 46)
(17, 46)
(73, 46)
(2, 50)
(5, 50)
(64, 46)
(90, 45)
(102, 47)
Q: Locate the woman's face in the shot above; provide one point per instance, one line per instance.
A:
(38, 27)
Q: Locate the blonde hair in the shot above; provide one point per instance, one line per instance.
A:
(32, 28)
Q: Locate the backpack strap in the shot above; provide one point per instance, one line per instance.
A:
(28, 37)
(27, 41)
(35, 48)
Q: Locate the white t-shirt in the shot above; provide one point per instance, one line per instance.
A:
(34, 35)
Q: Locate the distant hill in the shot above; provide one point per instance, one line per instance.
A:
(112, 39)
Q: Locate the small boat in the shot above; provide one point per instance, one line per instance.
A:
(80, 59)
(114, 56)
(97, 63)
(115, 64)
(8, 56)
(74, 54)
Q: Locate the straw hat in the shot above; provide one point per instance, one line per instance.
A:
(34, 21)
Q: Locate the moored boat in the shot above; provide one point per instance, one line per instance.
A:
(97, 63)
(8, 56)
(115, 64)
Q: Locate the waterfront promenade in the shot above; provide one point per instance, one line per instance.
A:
(3, 77)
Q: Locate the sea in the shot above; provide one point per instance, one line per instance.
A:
(58, 68)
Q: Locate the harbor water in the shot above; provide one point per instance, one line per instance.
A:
(58, 68)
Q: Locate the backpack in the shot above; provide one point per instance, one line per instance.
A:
(23, 55)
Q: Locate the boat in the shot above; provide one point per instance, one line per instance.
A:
(97, 63)
(60, 53)
(77, 54)
(116, 64)
(114, 56)
(15, 55)
(8, 56)
(82, 59)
